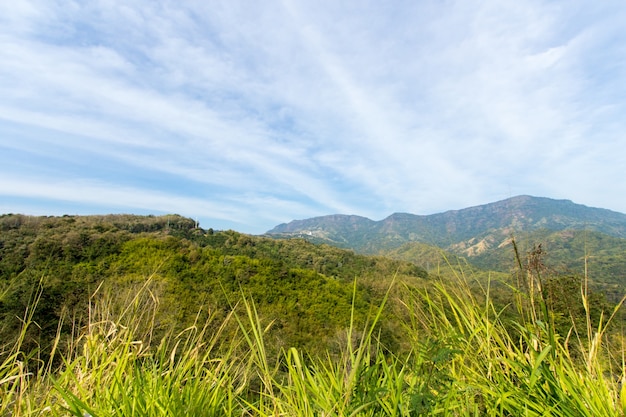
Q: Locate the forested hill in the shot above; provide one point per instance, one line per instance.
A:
(517, 214)
(305, 289)
(570, 234)
(99, 311)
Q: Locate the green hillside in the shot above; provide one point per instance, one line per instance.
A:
(481, 236)
(494, 220)
(152, 316)
(305, 289)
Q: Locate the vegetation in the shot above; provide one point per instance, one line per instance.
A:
(570, 251)
(567, 253)
(499, 219)
(152, 316)
(305, 289)
(571, 234)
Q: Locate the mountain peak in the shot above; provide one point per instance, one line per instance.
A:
(516, 214)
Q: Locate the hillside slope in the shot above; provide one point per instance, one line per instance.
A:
(482, 234)
(306, 290)
(517, 214)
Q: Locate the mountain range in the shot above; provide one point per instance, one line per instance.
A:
(482, 234)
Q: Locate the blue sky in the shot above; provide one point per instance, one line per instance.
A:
(246, 114)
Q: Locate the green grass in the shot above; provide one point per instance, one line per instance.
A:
(465, 360)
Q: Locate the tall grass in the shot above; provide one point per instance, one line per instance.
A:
(465, 360)
(524, 370)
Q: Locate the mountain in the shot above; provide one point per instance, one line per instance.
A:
(481, 233)
(474, 226)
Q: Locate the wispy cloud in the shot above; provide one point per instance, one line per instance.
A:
(253, 114)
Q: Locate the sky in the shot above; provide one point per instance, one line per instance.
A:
(247, 114)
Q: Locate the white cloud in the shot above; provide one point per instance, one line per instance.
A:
(312, 108)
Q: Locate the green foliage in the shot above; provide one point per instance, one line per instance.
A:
(569, 251)
(304, 289)
(577, 238)
(100, 319)
(464, 360)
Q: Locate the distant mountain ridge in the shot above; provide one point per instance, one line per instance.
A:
(468, 231)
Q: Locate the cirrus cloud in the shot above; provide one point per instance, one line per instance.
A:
(247, 115)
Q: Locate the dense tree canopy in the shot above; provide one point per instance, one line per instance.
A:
(305, 290)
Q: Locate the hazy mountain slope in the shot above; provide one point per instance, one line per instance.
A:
(458, 229)
(338, 229)
(566, 251)
(482, 234)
